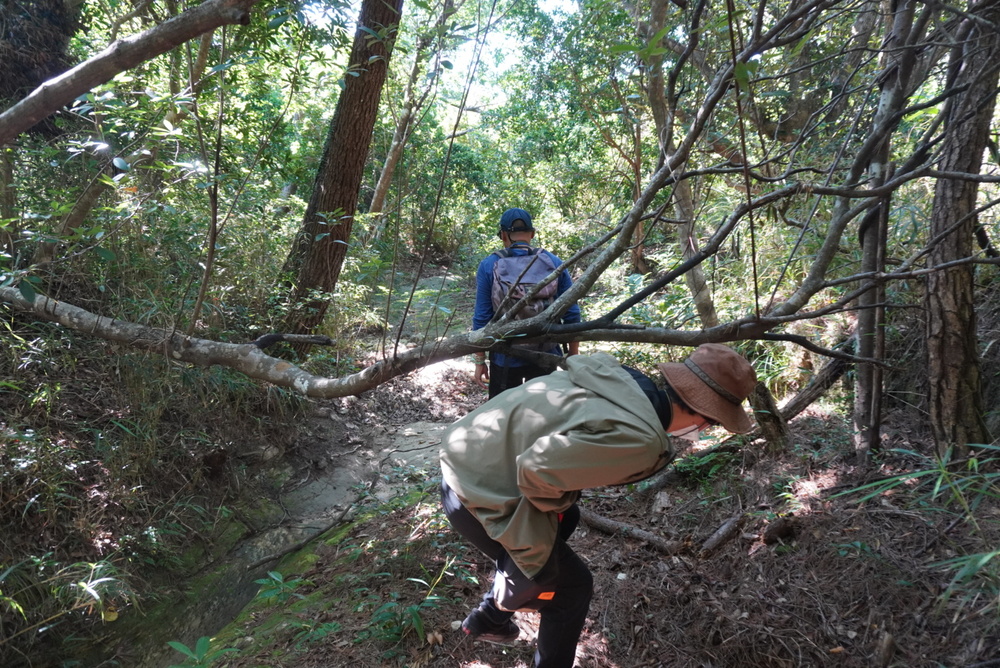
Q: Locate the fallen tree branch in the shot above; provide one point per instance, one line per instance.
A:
(251, 360)
(614, 528)
(721, 535)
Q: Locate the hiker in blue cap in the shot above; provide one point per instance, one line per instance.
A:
(500, 280)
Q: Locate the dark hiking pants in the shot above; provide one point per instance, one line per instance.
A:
(505, 377)
(563, 618)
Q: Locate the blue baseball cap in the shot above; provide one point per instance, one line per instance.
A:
(515, 220)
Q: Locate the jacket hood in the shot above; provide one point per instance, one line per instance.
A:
(603, 375)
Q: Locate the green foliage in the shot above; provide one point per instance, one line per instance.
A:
(975, 578)
(706, 468)
(784, 490)
(938, 480)
(201, 655)
(276, 589)
(856, 549)
(38, 593)
(105, 486)
(960, 488)
(393, 621)
(313, 632)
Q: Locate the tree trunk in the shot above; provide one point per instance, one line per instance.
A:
(831, 372)
(773, 426)
(413, 102)
(399, 138)
(8, 203)
(45, 252)
(701, 294)
(639, 263)
(319, 250)
(871, 326)
(897, 66)
(663, 110)
(955, 397)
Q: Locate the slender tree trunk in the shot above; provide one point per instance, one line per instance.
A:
(8, 205)
(399, 138)
(76, 216)
(404, 126)
(955, 397)
(773, 426)
(663, 110)
(639, 263)
(868, 378)
(898, 66)
(687, 234)
(319, 250)
(413, 101)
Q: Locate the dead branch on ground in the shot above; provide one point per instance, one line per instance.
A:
(615, 528)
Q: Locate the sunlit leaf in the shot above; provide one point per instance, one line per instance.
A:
(742, 75)
(625, 48)
(278, 21)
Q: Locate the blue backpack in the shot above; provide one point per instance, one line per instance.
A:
(515, 275)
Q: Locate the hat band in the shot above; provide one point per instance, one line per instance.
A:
(726, 394)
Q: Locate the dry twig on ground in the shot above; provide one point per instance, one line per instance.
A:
(613, 527)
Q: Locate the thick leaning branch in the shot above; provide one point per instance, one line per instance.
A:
(119, 57)
(247, 358)
(251, 360)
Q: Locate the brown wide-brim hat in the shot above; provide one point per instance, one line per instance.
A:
(714, 381)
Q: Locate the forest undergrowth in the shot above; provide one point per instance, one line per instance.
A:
(121, 471)
(813, 574)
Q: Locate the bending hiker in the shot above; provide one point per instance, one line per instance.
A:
(512, 471)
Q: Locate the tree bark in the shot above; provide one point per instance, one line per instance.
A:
(955, 396)
(8, 204)
(772, 424)
(321, 246)
(897, 68)
(413, 101)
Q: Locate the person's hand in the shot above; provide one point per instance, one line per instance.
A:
(482, 375)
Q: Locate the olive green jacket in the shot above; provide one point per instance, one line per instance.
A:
(523, 457)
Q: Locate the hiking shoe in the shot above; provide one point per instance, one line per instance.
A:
(477, 627)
